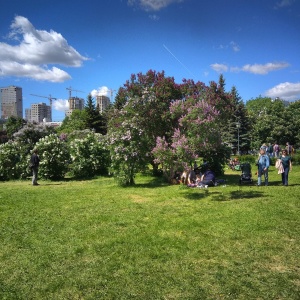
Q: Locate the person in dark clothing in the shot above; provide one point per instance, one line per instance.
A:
(34, 162)
(287, 167)
(208, 178)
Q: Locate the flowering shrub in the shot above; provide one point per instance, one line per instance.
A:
(175, 156)
(88, 156)
(54, 157)
(9, 161)
(127, 150)
(195, 134)
(30, 134)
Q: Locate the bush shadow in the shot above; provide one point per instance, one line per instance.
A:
(237, 195)
(155, 182)
(195, 196)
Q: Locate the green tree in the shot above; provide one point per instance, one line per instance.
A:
(127, 144)
(76, 121)
(14, 124)
(235, 136)
(94, 120)
(292, 123)
(268, 119)
(150, 96)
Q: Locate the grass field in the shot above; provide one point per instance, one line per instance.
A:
(94, 240)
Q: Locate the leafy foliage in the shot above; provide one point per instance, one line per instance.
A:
(89, 156)
(54, 157)
(14, 124)
(30, 134)
(76, 121)
(9, 160)
(232, 136)
(15, 155)
(127, 145)
(94, 120)
(150, 95)
(272, 121)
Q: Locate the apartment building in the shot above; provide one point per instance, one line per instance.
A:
(103, 102)
(38, 113)
(11, 102)
(75, 103)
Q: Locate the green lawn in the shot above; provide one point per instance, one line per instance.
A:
(94, 240)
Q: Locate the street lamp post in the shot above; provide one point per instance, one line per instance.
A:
(238, 126)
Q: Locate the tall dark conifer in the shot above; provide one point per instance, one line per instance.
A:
(95, 120)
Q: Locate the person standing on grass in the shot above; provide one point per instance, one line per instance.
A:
(288, 148)
(34, 162)
(287, 167)
(263, 164)
(276, 150)
(270, 150)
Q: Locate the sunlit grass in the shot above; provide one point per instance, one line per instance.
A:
(94, 240)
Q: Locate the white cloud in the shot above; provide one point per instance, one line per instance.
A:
(219, 68)
(284, 3)
(60, 104)
(286, 91)
(101, 91)
(152, 5)
(11, 68)
(264, 69)
(254, 69)
(234, 46)
(34, 51)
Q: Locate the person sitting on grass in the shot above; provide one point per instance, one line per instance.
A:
(188, 177)
(208, 178)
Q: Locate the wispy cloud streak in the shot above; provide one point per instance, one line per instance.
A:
(177, 59)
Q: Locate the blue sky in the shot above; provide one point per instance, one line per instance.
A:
(47, 46)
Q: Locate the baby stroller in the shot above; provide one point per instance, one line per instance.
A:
(246, 176)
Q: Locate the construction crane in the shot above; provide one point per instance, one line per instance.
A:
(111, 94)
(70, 91)
(49, 98)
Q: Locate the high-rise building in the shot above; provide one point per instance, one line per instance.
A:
(11, 102)
(38, 113)
(75, 103)
(103, 102)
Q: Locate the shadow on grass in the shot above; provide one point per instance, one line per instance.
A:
(231, 178)
(199, 195)
(155, 182)
(237, 195)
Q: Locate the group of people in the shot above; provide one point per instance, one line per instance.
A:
(283, 163)
(234, 164)
(274, 150)
(193, 177)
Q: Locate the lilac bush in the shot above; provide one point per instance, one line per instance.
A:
(196, 132)
(54, 157)
(89, 156)
(127, 149)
